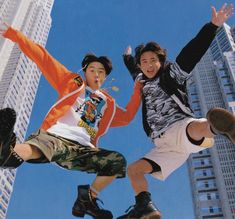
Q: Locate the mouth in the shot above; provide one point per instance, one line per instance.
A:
(97, 81)
(150, 71)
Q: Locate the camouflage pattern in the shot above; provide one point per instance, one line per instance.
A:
(74, 156)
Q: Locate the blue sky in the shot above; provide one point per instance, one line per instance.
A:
(106, 27)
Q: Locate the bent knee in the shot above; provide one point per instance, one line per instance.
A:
(134, 170)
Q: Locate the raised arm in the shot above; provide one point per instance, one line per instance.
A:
(54, 72)
(129, 61)
(123, 117)
(191, 54)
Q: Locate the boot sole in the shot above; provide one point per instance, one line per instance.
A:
(7, 122)
(223, 122)
(82, 214)
(78, 213)
(153, 215)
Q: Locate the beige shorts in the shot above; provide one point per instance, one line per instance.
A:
(173, 148)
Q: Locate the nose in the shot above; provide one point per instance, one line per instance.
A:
(96, 73)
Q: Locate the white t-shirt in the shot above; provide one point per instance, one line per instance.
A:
(81, 122)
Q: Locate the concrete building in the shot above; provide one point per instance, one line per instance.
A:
(211, 171)
(19, 77)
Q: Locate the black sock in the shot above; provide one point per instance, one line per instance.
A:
(143, 198)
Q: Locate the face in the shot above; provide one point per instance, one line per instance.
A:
(149, 64)
(95, 75)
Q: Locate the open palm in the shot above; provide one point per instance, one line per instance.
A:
(219, 17)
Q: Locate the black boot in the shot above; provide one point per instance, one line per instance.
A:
(85, 204)
(7, 122)
(143, 209)
(8, 157)
(222, 122)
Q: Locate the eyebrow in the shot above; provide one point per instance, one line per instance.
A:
(101, 68)
(154, 58)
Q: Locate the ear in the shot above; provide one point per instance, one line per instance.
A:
(85, 76)
(138, 65)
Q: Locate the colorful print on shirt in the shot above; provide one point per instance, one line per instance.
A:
(91, 112)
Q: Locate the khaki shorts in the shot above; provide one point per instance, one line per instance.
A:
(173, 148)
(74, 156)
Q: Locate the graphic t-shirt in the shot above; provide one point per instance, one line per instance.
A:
(81, 121)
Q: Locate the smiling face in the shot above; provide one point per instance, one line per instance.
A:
(95, 75)
(149, 64)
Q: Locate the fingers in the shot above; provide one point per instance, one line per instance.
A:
(2, 30)
(213, 11)
(128, 50)
(227, 10)
(3, 27)
(223, 7)
(6, 24)
(219, 17)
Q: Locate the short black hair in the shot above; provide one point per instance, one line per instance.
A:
(153, 47)
(104, 60)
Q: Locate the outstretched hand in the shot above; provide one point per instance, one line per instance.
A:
(219, 17)
(128, 51)
(3, 27)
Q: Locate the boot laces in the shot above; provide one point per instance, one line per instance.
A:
(130, 209)
(94, 202)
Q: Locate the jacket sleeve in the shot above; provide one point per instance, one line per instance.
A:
(123, 117)
(191, 54)
(53, 71)
(131, 65)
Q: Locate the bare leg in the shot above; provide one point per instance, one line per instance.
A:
(144, 207)
(199, 129)
(136, 172)
(100, 183)
(27, 152)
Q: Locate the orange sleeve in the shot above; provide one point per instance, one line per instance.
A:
(53, 71)
(124, 117)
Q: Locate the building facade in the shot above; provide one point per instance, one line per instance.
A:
(19, 77)
(211, 171)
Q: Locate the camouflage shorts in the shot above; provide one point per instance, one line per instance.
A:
(74, 156)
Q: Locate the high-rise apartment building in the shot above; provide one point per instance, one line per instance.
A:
(212, 171)
(19, 77)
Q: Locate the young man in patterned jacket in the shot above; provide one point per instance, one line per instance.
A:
(167, 117)
(70, 131)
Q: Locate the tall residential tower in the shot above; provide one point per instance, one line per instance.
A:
(212, 171)
(19, 77)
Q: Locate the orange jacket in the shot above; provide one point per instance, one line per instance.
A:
(70, 85)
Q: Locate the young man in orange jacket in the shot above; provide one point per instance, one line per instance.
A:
(70, 131)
